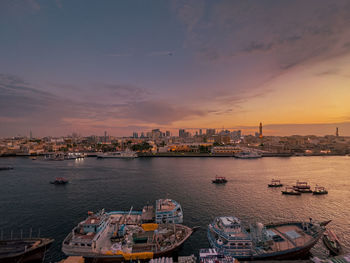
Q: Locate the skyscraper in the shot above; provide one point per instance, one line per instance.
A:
(337, 132)
(260, 131)
(182, 133)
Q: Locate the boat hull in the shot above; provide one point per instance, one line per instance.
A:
(32, 254)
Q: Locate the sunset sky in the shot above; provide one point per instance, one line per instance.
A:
(123, 66)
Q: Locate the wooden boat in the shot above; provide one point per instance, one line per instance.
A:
(331, 242)
(219, 180)
(290, 191)
(320, 190)
(24, 250)
(275, 183)
(59, 181)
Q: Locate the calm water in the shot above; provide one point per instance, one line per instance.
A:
(28, 200)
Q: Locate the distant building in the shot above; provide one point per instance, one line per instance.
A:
(260, 131)
(182, 133)
(135, 135)
(210, 132)
(142, 135)
(156, 134)
(337, 132)
(105, 138)
(167, 134)
(200, 131)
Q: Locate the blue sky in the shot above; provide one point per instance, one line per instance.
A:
(123, 66)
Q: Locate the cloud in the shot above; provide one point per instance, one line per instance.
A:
(126, 92)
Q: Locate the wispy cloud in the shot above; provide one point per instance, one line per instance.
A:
(160, 53)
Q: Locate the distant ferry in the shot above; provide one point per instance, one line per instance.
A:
(247, 155)
(126, 236)
(123, 154)
(276, 241)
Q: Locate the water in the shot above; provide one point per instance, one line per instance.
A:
(28, 200)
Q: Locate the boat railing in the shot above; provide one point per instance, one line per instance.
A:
(21, 234)
(225, 235)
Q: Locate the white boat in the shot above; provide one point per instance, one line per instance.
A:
(124, 154)
(247, 155)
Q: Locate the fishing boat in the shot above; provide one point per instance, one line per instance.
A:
(24, 250)
(275, 241)
(320, 190)
(211, 255)
(289, 190)
(219, 180)
(59, 181)
(331, 242)
(275, 183)
(120, 236)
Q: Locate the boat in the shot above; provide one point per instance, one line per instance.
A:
(275, 183)
(274, 241)
(123, 154)
(320, 190)
(211, 255)
(24, 250)
(59, 181)
(4, 168)
(219, 180)
(54, 157)
(338, 259)
(289, 190)
(302, 187)
(124, 236)
(331, 242)
(247, 155)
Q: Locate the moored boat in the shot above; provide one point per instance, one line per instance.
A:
(331, 242)
(275, 241)
(59, 181)
(24, 250)
(121, 155)
(289, 190)
(338, 259)
(210, 255)
(118, 236)
(247, 155)
(219, 180)
(275, 183)
(320, 190)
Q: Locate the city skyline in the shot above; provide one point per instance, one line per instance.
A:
(125, 67)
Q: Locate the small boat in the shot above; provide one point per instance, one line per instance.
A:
(247, 155)
(24, 250)
(320, 190)
(301, 185)
(290, 191)
(59, 181)
(331, 242)
(275, 183)
(219, 180)
(304, 191)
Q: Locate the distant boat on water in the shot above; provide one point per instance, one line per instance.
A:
(275, 183)
(320, 190)
(247, 155)
(122, 154)
(59, 180)
(219, 180)
(4, 168)
(289, 190)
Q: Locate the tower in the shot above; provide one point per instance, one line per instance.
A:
(260, 131)
(337, 132)
(105, 136)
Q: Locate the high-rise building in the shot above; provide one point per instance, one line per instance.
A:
(182, 133)
(105, 139)
(337, 132)
(167, 134)
(142, 135)
(260, 131)
(200, 131)
(30, 135)
(210, 132)
(135, 135)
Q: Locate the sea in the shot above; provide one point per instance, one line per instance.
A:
(30, 204)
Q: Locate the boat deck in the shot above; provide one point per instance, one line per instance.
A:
(288, 237)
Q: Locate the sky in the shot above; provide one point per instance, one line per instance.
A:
(122, 66)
